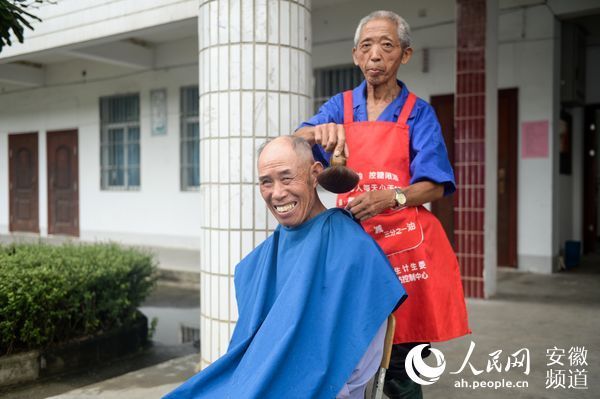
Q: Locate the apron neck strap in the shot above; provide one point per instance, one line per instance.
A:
(348, 107)
(407, 109)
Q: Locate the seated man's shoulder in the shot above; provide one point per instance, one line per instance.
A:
(344, 220)
(344, 225)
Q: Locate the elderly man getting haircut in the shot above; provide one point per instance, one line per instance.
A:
(313, 298)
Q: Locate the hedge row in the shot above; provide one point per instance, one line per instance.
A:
(50, 294)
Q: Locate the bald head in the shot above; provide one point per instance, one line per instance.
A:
(287, 175)
(300, 146)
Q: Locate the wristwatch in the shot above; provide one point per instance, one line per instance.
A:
(400, 198)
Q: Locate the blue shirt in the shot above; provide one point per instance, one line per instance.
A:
(428, 154)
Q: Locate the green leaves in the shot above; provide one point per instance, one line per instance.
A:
(50, 294)
(14, 17)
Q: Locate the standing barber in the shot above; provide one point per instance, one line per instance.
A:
(393, 140)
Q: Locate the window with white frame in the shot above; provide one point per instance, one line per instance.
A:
(190, 139)
(332, 80)
(120, 142)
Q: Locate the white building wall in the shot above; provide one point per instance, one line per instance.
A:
(490, 259)
(75, 22)
(159, 213)
(526, 59)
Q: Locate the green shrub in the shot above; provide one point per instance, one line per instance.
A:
(50, 294)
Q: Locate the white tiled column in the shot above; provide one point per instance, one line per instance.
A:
(254, 83)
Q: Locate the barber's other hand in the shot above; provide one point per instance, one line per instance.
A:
(372, 203)
(332, 137)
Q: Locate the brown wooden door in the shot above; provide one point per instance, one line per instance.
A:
(23, 182)
(444, 208)
(590, 175)
(63, 182)
(507, 171)
(508, 132)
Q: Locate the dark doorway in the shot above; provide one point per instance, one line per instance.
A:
(508, 133)
(508, 100)
(63, 182)
(444, 208)
(23, 182)
(590, 175)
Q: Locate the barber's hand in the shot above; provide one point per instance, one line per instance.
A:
(372, 203)
(332, 137)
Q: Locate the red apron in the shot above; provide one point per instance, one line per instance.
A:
(412, 238)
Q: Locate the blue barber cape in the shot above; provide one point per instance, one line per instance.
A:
(310, 300)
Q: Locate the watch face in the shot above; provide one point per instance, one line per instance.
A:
(401, 198)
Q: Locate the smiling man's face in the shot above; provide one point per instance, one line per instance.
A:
(288, 183)
(379, 52)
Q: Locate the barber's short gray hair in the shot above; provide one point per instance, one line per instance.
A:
(403, 28)
(301, 147)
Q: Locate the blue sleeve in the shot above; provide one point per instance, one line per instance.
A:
(428, 154)
(330, 112)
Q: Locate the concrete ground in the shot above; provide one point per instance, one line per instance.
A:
(535, 312)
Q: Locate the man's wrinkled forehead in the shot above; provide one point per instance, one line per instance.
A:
(276, 152)
(285, 153)
(379, 28)
(279, 158)
(276, 169)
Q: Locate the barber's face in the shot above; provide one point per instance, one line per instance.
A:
(378, 53)
(287, 184)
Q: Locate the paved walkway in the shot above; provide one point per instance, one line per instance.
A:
(537, 312)
(534, 312)
(151, 382)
